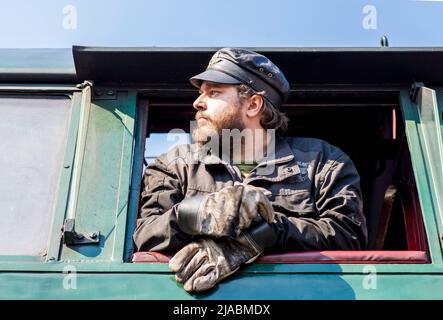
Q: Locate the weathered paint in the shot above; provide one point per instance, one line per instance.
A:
(88, 266)
(420, 157)
(105, 179)
(65, 179)
(239, 287)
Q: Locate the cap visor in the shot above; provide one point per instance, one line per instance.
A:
(213, 76)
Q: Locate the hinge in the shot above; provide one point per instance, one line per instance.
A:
(71, 237)
(85, 84)
(99, 93)
(104, 94)
(413, 92)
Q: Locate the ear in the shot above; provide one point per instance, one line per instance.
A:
(255, 106)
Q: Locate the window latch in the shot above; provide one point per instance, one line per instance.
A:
(71, 237)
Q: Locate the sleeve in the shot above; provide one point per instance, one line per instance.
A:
(157, 228)
(339, 224)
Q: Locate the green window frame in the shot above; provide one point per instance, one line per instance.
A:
(47, 92)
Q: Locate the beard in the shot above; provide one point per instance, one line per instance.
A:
(211, 129)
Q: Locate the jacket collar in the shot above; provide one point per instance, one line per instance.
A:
(282, 153)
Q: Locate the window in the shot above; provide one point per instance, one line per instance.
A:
(158, 143)
(369, 127)
(33, 133)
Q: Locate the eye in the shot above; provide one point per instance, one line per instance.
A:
(213, 93)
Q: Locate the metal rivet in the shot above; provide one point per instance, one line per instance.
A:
(79, 236)
(66, 166)
(289, 169)
(261, 69)
(270, 75)
(93, 235)
(110, 93)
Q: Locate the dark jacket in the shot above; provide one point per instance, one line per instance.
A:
(315, 194)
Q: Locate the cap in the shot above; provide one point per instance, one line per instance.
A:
(236, 66)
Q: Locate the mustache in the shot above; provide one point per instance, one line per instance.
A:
(201, 115)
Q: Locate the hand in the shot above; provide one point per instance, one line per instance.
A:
(227, 212)
(201, 265)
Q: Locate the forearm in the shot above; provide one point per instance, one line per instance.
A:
(160, 232)
(333, 232)
(225, 213)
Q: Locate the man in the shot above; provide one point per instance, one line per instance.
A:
(221, 204)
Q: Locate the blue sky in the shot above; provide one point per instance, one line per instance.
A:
(175, 23)
(204, 23)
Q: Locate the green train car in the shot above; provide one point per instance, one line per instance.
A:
(77, 128)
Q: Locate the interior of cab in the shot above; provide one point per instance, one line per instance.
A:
(366, 124)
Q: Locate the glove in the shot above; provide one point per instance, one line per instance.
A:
(201, 265)
(224, 213)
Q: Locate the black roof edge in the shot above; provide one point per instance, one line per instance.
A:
(76, 48)
(301, 65)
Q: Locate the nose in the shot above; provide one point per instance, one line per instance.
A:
(200, 103)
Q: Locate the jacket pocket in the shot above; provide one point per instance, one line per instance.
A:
(294, 202)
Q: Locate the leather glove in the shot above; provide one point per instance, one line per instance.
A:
(201, 265)
(224, 213)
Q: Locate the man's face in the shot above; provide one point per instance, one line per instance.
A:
(218, 107)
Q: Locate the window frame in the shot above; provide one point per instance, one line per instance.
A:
(121, 109)
(108, 138)
(433, 251)
(54, 234)
(136, 173)
(422, 164)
